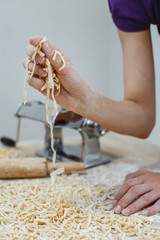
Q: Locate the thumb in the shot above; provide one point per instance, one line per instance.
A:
(55, 55)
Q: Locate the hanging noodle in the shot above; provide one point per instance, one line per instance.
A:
(25, 82)
(51, 82)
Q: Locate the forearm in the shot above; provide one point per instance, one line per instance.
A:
(124, 117)
(135, 115)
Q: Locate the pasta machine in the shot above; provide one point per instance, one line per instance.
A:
(90, 132)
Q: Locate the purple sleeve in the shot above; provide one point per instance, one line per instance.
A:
(129, 15)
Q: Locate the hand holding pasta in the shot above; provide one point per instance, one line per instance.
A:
(140, 189)
(73, 88)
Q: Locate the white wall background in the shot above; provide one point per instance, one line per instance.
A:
(84, 30)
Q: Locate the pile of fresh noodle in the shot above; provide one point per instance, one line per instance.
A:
(66, 207)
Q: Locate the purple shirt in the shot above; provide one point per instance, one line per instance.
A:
(135, 15)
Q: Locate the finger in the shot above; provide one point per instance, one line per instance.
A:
(38, 69)
(152, 210)
(125, 187)
(36, 83)
(49, 49)
(131, 196)
(38, 58)
(142, 202)
(129, 176)
(35, 40)
(136, 174)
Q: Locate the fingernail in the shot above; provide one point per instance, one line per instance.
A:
(145, 212)
(42, 73)
(47, 47)
(117, 209)
(115, 203)
(126, 211)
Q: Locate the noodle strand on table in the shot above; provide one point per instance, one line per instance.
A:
(66, 208)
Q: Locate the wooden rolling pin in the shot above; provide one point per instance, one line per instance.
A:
(33, 167)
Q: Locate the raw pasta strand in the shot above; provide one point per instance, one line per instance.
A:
(62, 59)
(25, 82)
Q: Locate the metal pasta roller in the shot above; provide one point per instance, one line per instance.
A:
(89, 149)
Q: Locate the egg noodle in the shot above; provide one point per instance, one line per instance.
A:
(51, 82)
(67, 208)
